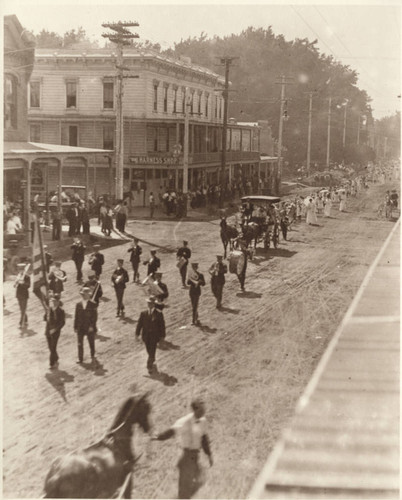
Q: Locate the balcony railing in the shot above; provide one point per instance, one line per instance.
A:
(230, 156)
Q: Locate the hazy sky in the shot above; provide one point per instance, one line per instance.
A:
(365, 36)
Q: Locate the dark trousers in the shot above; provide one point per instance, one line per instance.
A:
(284, 228)
(150, 346)
(183, 272)
(85, 227)
(23, 303)
(56, 232)
(91, 341)
(217, 290)
(194, 303)
(78, 265)
(190, 473)
(72, 228)
(152, 210)
(135, 265)
(119, 295)
(52, 339)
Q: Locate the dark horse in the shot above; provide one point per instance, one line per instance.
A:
(228, 234)
(251, 231)
(100, 470)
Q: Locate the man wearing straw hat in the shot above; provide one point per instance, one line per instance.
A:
(119, 279)
(85, 319)
(217, 272)
(151, 327)
(192, 433)
(55, 320)
(135, 255)
(196, 281)
(22, 284)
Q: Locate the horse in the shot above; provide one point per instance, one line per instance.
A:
(251, 231)
(100, 470)
(228, 234)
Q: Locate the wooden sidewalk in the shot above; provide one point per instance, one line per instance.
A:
(344, 439)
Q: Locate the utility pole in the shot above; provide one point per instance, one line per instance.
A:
(358, 129)
(329, 130)
(227, 62)
(344, 127)
(310, 116)
(283, 82)
(120, 37)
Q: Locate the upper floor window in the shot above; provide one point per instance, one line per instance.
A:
(69, 135)
(71, 94)
(220, 108)
(10, 102)
(155, 97)
(108, 95)
(206, 104)
(184, 101)
(35, 132)
(199, 104)
(34, 94)
(174, 100)
(216, 107)
(108, 137)
(165, 98)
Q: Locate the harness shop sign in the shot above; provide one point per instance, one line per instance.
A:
(154, 160)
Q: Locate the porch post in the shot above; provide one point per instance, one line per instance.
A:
(86, 179)
(60, 183)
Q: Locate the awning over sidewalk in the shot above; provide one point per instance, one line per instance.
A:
(33, 148)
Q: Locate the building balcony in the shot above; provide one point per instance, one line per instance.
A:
(216, 157)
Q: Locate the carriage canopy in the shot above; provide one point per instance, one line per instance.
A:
(264, 200)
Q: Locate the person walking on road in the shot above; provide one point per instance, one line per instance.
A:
(94, 285)
(328, 206)
(151, 205)
(135, 256)
(22, 284)
(153, 263)
(119, 279)
(191, 431)
(151, 327)
(55, 319)
(78, 249)
(57, 278)
(196, 281)
(217, 272)
(183, 256)
(86, 316)
(96, 261)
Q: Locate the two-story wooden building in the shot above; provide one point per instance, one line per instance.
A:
(72, 101)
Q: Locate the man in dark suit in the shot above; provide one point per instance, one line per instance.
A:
(119, 279)
(153, 262)
(85, 319)
(135, 255)
(55, 320)
(217, 272)
(196, 281)
(72, 216)
(96, 261)
(161, 291)
(151, 325)
(94, 285)
(183, 255)
(78, 249)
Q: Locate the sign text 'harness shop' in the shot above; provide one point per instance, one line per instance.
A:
(154, 160)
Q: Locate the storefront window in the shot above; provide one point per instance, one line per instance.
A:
(10, 102)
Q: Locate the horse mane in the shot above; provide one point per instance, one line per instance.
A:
(121, 416)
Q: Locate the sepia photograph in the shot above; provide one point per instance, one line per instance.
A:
(201, 250)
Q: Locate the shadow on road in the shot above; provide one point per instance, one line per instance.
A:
(105, 299)
(166, 379)
(282, 252)
(130, 321)
(229, 310)
(101, 338)
(165, 345)
(207, 329)
(249, 295)
(27, 332)
(58, 378)
(96, 367)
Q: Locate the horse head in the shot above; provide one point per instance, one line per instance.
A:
(135, 410)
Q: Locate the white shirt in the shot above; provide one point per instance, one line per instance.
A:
(190, 431)
(11, 227)
(84, 303)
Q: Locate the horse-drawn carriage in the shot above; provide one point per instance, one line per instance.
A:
(258, 221)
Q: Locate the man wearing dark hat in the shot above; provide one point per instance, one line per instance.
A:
(96, 261)
(217, 272)
(57, 278)
(55, 320)
(22, 284)
(151, 326)
(196, 281)
(78, 249)
(153, 263)
(191, 431)
(160, 290)
(119, 279)
(95, 287)
(183, 255)
(135, 255)
(85, 319)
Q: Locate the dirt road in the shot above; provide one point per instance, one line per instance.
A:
(251, 360)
